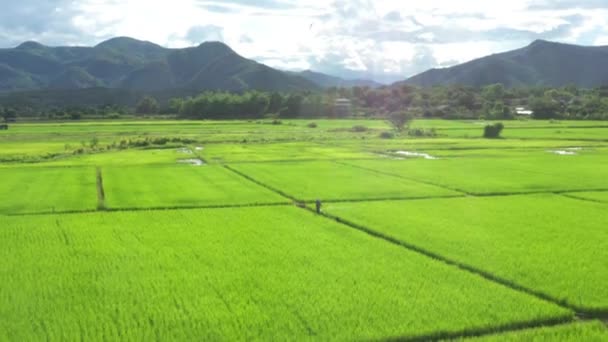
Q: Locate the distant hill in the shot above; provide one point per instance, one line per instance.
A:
(328, 81)
(126, 63)
(542, 63)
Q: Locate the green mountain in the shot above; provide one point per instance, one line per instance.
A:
(541, 63)
(130, 64)
(328, 81)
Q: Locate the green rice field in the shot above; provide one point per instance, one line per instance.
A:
(47, 190)
(540, 242)
(180, 186)
(207, 230)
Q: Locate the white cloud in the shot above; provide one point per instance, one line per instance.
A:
(383, 39)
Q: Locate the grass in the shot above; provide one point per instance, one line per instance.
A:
(294, 151)
(235, 274)
(175, 186)
(593, 331)
(323, 180)
(45, 190)
(502, 174)
(267, 271)
(549, 244)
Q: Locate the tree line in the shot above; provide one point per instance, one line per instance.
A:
(493, 102)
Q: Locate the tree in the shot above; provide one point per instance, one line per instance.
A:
(293, 106)
(9, 114)
(493, 92)
(147, 105)
(175, 105)
(544, 108)
(493, 131)
(275, 103)
(400, 120)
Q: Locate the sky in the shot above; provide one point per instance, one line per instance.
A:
(383, 40)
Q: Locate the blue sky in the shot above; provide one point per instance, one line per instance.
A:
(385, 40)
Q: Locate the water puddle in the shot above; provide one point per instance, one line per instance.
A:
(564, 152)
(184, 150)
(199, 148)
(415, 154)
(194, 162)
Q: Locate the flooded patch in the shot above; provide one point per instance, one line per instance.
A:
(184, 150)
(415, 154)
(574, 148)
(199, 148)
(195, 162)
(563, 152)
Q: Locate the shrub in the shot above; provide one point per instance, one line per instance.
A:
(387, 135)
(312, 125)
(493, 131)
(420, 132)
(276, 122)
(359, 128)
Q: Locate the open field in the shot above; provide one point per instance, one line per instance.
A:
(180, 186)
(307, 181)
(254, 273)
(107, 234)
(502, 173)
(541, 242)
(32, 190)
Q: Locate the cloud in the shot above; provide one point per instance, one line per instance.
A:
(47, 21)
(213, 7)
(393, 16)
(245, 39)
(272, 4)
(381, 39)
(567, 4)
(200, 34)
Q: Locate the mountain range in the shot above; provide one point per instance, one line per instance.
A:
(144, 67)
(126, 63)
(541, 63)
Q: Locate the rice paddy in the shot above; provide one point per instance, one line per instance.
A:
(109, 231)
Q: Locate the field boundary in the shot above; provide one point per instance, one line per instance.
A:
(135, 209)
(101, 195)
(303, 203)
(568, 195)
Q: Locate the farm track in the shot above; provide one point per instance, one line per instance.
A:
(579, 313)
